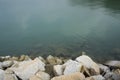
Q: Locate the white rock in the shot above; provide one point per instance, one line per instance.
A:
(1, 65)
(43, 75)
(112, 75)
(97, 77)
(26, 69)
(72, 67)
(42, 59)
(73, 76)
(89, 63)
(34, 77)
(113, 63)
(51, 60)
(1, 74)
(58, 69)
(7, 63)
(10, 77)
(40, 76)
(104, 68)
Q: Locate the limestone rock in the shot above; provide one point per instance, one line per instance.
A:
(113, 63)
(73, 76)
(2, 58)
(72, 67)
(14, 58)
(34, 77)
(8, 71)
(89, 63)
(97, 77)
(51, 60)
(1, 65)
(1, 74)
(112, 76)
(58, 70)
(58, 61)
(24, 58)
(10, 77)
(104, 69)
(7, 64)
(26, 69)
(40, 76)
(42, 59)
(43, 75)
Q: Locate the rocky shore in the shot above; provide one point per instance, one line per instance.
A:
(57, 68)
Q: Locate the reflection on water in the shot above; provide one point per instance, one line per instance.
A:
(112, 5)
(64, 27)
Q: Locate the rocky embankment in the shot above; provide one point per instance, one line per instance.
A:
(57, 68)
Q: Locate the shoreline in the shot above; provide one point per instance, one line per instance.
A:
(57, 68)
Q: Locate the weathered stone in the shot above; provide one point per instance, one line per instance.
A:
(3, 58)
(1, 67)
(26, 69)
(43, 75)
(103, 69)
(7, 64)
(42, 59)
(112, 76)
(51, 60)
(10, 77)
(1, 74)
(73, 76)
(88, 63)
(9, 71)
(58, 61)
(113, 63)
(40, 76)
(24, 58)
(34, 77)
(14, 58)
(58, 70)
(97, 77)
(72, 67)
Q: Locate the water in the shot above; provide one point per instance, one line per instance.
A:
(60, 27)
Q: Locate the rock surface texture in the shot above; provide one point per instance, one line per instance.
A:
(57, 68)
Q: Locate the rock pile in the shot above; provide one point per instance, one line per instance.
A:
(55, 68)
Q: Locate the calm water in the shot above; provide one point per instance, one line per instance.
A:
(60, 27)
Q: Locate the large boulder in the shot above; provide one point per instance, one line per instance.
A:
(34, 77)
(2, 74)
(73, 76)
(112, 76)
(104, 69)
(113, 63)
(24, 58)
(72, 67)
(97, 77)
(42, 59)
(40, 76)
(7, 64)
(58, 70)
(43, 75)
(10, 77)
(89, 63)
(1, 65)
(53, 60)
(26, 69)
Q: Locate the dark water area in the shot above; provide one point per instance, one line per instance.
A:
(61, 28)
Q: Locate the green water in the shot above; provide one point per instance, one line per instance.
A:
(60, 27)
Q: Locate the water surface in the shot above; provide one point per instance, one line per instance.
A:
(60, 27)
